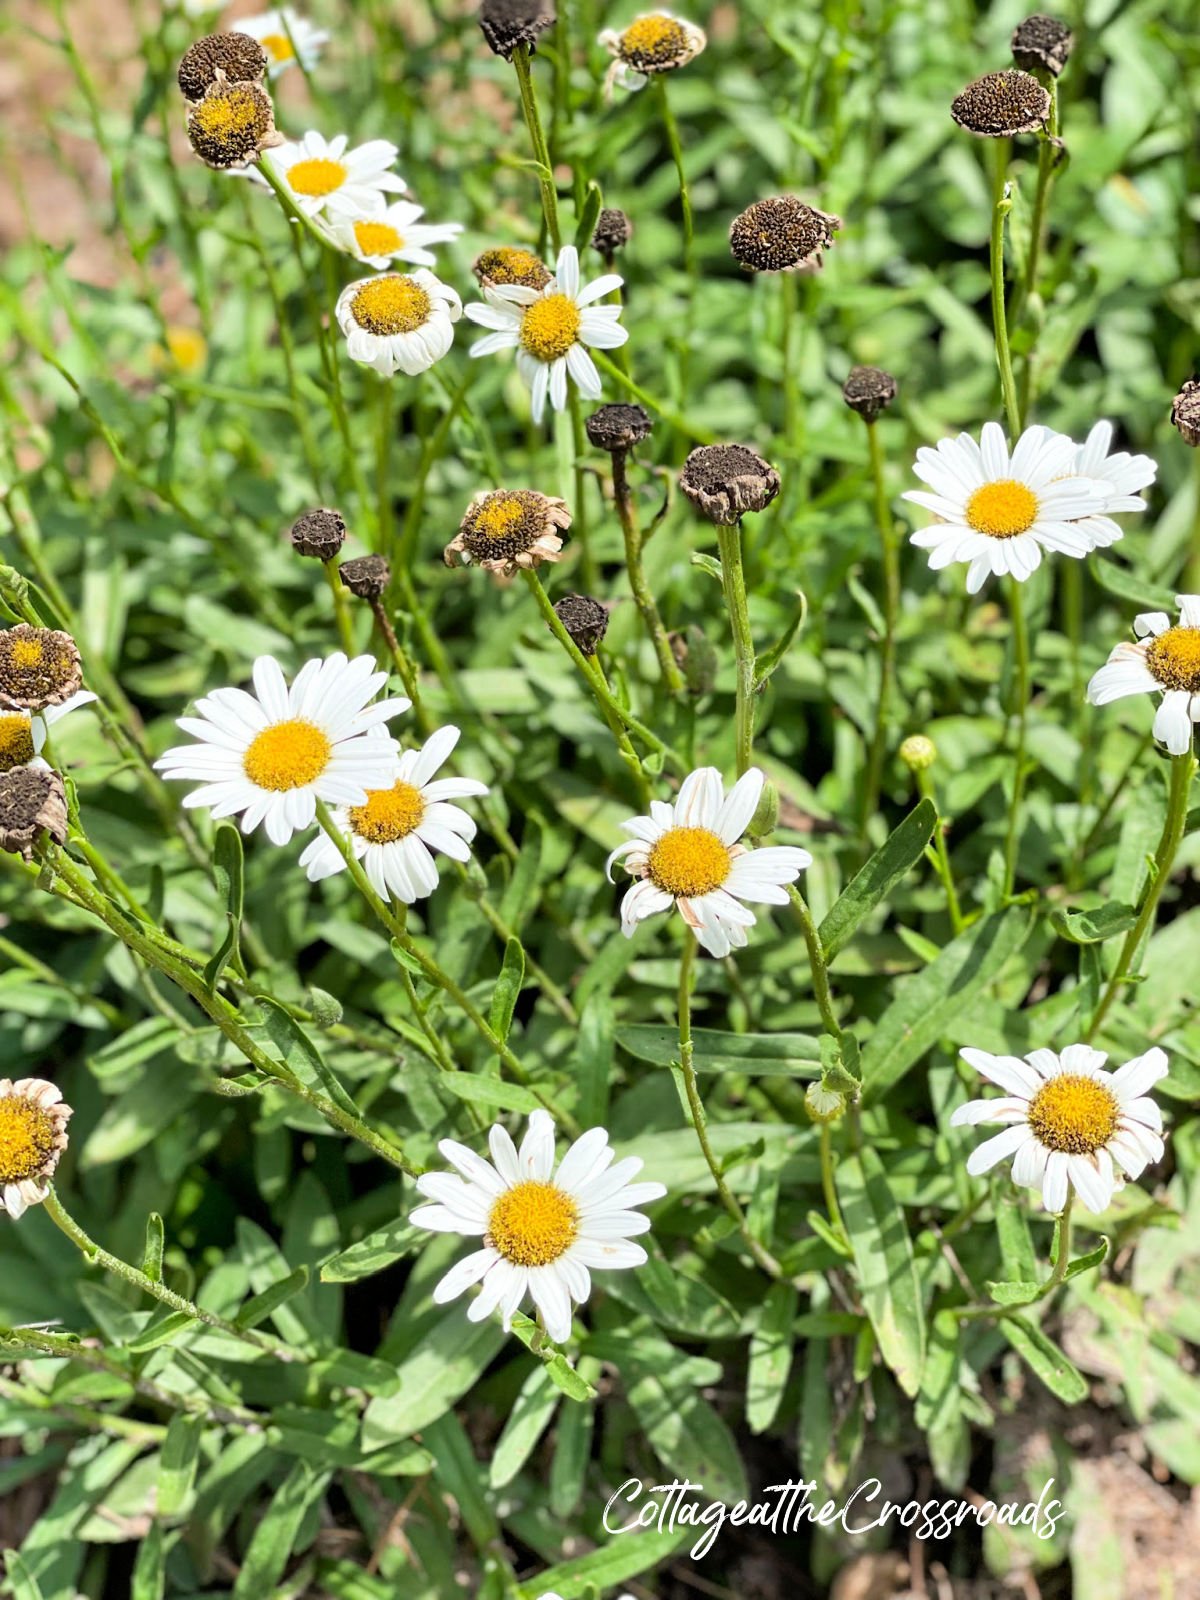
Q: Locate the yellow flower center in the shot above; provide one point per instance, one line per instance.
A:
(377, 238)
(1074, 1113)
(1174, 659)
(389, 814)
(278, 46)
(16, 742)
(223, 118)
(498, 516)
(287, 755)
(1002, 509)
(188, 348)
(27, 653)
(653, 40)
(687, 862)
(317, 177)
(533, 1224)
(550, 327)
(510, 264)
(27, 1133)
(391, 305)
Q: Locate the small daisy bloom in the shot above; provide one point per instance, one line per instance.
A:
(398, 322)
(1124, 475)
(23, 733)
(33, 1136)
(689, 855)
(271, 755)
(393, 235)
(324, 177)
(1165, 660)
(550, 328)
(286, 37)
(394, 833)
(999, 513)
(543, 1231)
(652, 43)
(1071, 1125)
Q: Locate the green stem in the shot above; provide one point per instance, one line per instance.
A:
(341, 607)
(1058, 1273)
(671, 129)
(941, 853)
(541, 152)
(828, 1187)
(1047, 152)
(642, 593)
(1020, 637)
(1001, 206)
(733, 580)
(686, 429)
(822, 992)
(890, 552)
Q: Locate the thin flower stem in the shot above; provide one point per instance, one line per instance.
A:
(1047, 154)
(642, 593)
(1020, 637)
(817, 964)
(541, 152)
(890, 553)
(671, 128)
(762, 1257)
(1058, 1273)
(733, 580)
(688, 430)
(828, 1187)
(341, 607)
(1001, 206)
(1182, 768)
(941, 853)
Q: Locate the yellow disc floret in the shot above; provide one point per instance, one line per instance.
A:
(389, 814)
(1074, 1113)
(687, 862)
(27, 1139)
(533, 1224)
(287, 755)
(1002, 509)
(499, 516)
(392, 304)
(653, 41)
(232, 124)
(377, 239)
(278, 46)
(550, 327)
(317, 177)
(1174, 659)
(16, 741)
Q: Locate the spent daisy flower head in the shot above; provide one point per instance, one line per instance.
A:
(23, 734)
(550, 329)
(503, 530)
(398, 322)
(689, 854)
(543, 1231)
(271, 755)
(229, 55)
(1070, 1124)
(324, 177)
(232, 125)
(1164, 660)
(510, 263)
(1001, 104)
(394, 234)
(655, 42)
(998, 513)
(33, 1136)
(39, 667)
(33, 801)
(395, 832)
(286, 37)
(781, 234)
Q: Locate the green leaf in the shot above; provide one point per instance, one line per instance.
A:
(528, 1419)
(275, 1537)
(508, 988)
(613, 1564)
(1126, 585)
(229, 872)
(152, 1250)
(903, 849)
(479, 1091)
(177, 1464)
(939, 1408)
(21, 1582)
(1045, 1359)
(679, 1425)
(1014, 1294)
(573, 1446)
(260, 1306)
(588, 214)
(1092, 927)
(149, 1569)
(301, 1054)
(883, 1265)
(559, 1370)
(445, 1364)
(372, 1254)
(770, 659)
(1085, 1263)
(757, 1055)
(770, 1356)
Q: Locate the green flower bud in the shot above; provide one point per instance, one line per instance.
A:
(823, 1105)
(918, 752)
(326, 1011)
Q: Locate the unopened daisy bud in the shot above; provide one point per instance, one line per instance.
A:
(326, 1008)
(585, 619)
(612, 233)
(39, 667)
(781, 234)
(503, 530)
(320, 533)
(33, 1136)
(232, 125)
(725, 481)
(1185, 411)
(366, 576)
(32, 801)
(508, 263)
(766, 816)
(823, 1105)
(869, 390)
(1002, 103)
(618, 427)
(1042, 41)
(918, 752)
(235, 56)
(507, 23)
(697, 658)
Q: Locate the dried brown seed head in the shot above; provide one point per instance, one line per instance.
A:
(319, 533)
(585, 619)
(781, 234)
(232, 124)
(726, 481)
(503, 530)
(1042, 41)
(1001, 104)
(507, 23)
(869, 390)
(1185, 411)
(32, 799)
(239, 57)
(612, 233)
(366, 576)
(618, 427)
(39, 667)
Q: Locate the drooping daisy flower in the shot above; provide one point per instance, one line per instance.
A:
(1071, 1125)
(689, 855)
(655, 42)
(1125, 476)
(543, 1231)
(395, 831)
(271, 755)
(1165, 660)
(998, 514)
(286, 37)
(398, 322)
(550, 329)
(33, 1136)
(393, 235)
(323, 176)
(23, 733)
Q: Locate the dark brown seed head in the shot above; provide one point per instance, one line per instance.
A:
(320, 533)
(511, 264)
(869, 390)
(39, 667)
(1185, 411)
(618, 427)
(366, 576)
(31, 799)
(1042, 41)
(241, 58)
(1002, 103)
(613, 231)
(725, 481)
(584, 619)
(508, 23)
(781, 234)
(232, 124)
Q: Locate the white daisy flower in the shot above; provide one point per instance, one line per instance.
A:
(550, 328)
(273, 754)
(398, 322)
(543, 1231)
(1125, 476)
(1165, 660)
(395, 831)
(999, 514)
(689, 855)
(287, 37)
(394, 234)
(655, 42)
(323, 176)
(1071, 1125)
(33, 1136)
(23, 733)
